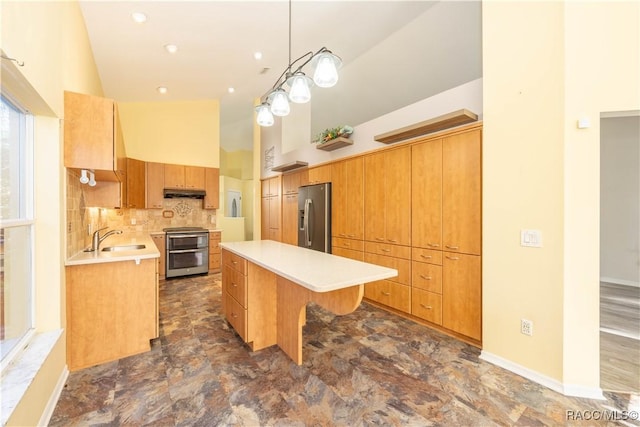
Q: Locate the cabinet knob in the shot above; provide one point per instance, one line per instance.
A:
(428, 307)
(234, 285)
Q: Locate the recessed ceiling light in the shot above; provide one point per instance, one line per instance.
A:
(231, 90)
(161, 89)
(257, 55)
(139, 17)
(171, 48)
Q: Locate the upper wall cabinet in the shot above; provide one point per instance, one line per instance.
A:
(179, 176)
(211, 188)
(92, 136)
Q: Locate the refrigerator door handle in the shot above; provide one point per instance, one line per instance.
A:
(307, 234)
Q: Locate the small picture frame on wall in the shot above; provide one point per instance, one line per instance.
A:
(167, 214)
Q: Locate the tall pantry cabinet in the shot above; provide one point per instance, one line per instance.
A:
(446, 232)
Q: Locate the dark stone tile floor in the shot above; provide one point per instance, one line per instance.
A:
(366, 368)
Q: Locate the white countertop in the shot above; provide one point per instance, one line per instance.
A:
(150, 250)
(317, 271)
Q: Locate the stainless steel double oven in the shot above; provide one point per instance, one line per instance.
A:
(187, 251)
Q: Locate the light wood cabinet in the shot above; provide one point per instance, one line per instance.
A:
(319, 174)
(181, 176)
(426, 203)
(211, 188)
(462, 193)
(155, 185)
(159, 240)
(293, 180)
(387, 196)
(271, 209)
(249, 300)
(290, 218)
(135, 183)
(347, 189)
(93, 140)
(462, 294)
(214, 251)
(112, 311)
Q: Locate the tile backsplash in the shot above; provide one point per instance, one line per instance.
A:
(81, 219)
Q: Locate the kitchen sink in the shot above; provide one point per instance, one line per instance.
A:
(123, 248)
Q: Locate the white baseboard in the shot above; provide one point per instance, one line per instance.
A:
(620, 282)
(553, 384)
(55, 396)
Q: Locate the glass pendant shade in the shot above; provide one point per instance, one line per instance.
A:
(279, 103)
(326, 69)
(299, 84)
(265, 118)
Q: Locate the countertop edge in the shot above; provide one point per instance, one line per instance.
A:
(149, 252)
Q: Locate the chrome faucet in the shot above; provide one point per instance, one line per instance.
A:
(96, 239)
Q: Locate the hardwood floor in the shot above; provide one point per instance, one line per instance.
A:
(619, 338)
(366, 368)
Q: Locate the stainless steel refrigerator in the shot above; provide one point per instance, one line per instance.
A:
(314, 217)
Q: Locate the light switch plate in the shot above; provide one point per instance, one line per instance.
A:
(531, 238)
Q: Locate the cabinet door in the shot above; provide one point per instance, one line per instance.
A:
(374, 176)
(320, 174)
(265, 188)
(212, 188)
(354, 200)
(290, 219)
(155, 185)
(291, 182)
(88, 132)
(159, 240)
(264, 225)
(135, 183)
(274, 217)
(426, 200)
(462, 294)
(173, 176)
(274, 186)
(339, 211)
(397, 190)
(194, 177)
(462, 197)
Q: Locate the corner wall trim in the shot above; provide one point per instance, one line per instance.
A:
(53, 399)
(555, 385)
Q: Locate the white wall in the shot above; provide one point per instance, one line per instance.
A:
(620, 200)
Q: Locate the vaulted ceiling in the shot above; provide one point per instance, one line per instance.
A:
(394, 53)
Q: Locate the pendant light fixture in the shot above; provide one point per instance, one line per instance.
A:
(276, 101)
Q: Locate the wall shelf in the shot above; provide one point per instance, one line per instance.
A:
(289, 166)
(335, 143)
(445, 121)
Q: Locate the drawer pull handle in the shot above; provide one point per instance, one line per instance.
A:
(453, 258)
(450, 247)
(425, 277)
(385, 250)
(433, 245)
(428, 307)
(342, 235)
(234, 285)
(425, 256)
(393, 240)
(385, 293)
(234, 262)
(380, 239)
(347, 244)
(234, 315)
(351, 235)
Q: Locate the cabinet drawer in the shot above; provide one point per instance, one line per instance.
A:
(234, 261)
(402, 265)
(388, 250)
(426, 305)
(390, 294)
(354, 245)
(214, 247)
(348, 253)
(427, 277)
(215, 235)
(236, 315)
(214, 262)
(235, 284)
(427, 255)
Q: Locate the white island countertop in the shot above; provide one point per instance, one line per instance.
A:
(316, 271)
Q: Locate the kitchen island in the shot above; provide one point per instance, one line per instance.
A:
(266, 286)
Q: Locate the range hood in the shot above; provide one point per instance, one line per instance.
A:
(172, 193)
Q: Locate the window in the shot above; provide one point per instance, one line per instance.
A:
(16, 228)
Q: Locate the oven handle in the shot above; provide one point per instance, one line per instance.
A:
(184, 251)
(183, 236)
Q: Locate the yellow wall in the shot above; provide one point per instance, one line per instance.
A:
(50, 38)
(237, 164)
(180, 132)
(541, 172)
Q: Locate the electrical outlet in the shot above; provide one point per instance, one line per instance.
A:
(69, 227)
(526, 327)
